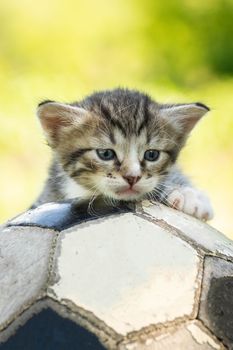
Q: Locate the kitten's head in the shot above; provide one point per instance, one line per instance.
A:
(118, 143)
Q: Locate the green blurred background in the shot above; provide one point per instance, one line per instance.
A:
(176, 50)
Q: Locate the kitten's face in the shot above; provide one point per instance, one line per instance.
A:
(126, 169)
(118, 144)
(130, 167)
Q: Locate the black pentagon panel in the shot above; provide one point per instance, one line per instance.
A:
(60, 216)
(219, 308)
(49, 331)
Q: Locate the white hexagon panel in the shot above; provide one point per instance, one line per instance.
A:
(128, 271)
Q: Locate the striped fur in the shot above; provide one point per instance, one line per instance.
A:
(126, 121)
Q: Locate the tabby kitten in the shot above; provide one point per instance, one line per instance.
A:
(121, 145)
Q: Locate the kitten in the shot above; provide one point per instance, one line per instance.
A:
(122, 145)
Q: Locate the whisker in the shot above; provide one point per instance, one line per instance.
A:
(90, 208)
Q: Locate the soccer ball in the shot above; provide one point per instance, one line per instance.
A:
(129, 277)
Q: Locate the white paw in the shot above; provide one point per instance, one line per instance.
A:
(191, 201)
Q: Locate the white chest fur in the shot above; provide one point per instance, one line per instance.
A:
(72, 190)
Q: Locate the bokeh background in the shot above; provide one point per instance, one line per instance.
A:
(176, 50)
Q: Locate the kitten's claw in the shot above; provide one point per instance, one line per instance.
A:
(191, 201)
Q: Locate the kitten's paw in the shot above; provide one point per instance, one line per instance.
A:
(191, 201)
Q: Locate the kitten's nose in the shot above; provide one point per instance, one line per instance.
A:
(132, 179)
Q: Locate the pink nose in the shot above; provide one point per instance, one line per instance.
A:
(132, 179)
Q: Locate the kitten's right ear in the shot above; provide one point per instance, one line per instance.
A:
(54, 117)
(184, 116)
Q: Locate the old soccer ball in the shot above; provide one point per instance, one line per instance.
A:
(127, 278)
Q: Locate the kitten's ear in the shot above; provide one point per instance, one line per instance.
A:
(54, 117)
(184, 116)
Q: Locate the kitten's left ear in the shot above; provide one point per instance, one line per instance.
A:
(184, 116)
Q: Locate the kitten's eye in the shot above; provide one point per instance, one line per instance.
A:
(106, 154)
(152, 155)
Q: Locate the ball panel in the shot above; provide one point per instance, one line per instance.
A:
(220, 308)
(189, 336)
(24, 265)
(216, 308)
(129, 272)
(192, 229)
(60, 216)
(47, 330)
